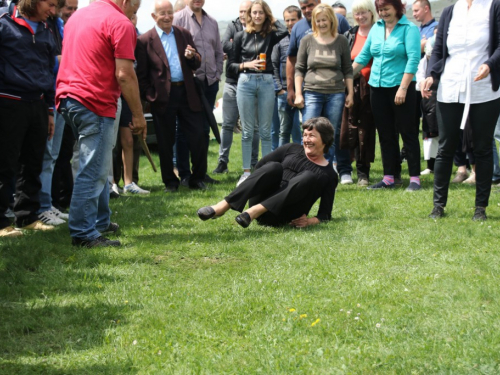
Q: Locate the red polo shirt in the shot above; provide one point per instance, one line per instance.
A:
(93, 38)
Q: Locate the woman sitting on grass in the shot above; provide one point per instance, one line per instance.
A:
(286, 183)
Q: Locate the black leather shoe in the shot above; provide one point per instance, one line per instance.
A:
(206, 213)
(200, 185)
(97, 242)
(171, 189)
(480, 214)
(222, 168)
(437, 212)
(112, 228)
(210, 180)
(185, 182)
(243, 219)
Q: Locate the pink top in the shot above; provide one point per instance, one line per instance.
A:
(93, 38)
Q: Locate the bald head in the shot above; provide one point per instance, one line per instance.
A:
(163, 15)
(243, 10)
(179, 5)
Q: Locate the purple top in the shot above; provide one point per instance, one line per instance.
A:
(207, 39)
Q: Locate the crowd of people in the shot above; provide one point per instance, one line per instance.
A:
(64, 105)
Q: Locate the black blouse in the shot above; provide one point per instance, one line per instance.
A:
(294, 160)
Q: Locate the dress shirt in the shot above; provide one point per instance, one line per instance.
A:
(170, 47)
(392, 57)
(468, 42)
(208, 43)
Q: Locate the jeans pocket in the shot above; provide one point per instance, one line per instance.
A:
(244, 78)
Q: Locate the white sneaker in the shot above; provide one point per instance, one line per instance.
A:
(134, 189)
(243, 177)
(426, 171)
(59, 214)
(116, 189)
(9, 213)
(50, 218)
(346, 179)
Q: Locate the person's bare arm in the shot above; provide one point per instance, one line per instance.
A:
(127, 79)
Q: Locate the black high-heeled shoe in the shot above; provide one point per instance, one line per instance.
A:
(243, 219)
(206, 213)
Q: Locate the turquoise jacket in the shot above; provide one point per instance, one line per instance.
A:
(392, 57)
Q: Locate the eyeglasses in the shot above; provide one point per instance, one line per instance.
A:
(360, 14)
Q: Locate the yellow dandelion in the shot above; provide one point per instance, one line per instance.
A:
(315, 322)
(291, 310)
(284, 319)
(302, 316)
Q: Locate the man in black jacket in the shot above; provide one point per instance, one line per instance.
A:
(26, 108)
(229, 106)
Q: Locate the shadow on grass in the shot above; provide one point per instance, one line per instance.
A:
(52, 301)
(21, 369)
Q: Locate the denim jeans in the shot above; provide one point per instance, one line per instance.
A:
(275, 127)
(331, 106)
(289, 122)
(255, 96)
(229, 120)
(496, 162)
(89, 211)
(49, 161)
(182, 148)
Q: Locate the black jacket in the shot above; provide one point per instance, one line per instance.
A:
(27, 60)
(440, 50)
(227, 46)
(247, 47)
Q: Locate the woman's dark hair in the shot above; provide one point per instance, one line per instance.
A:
(325, 129)
(397, 4)
(268, 25)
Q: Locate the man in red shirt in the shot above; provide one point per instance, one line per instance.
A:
(97, 64)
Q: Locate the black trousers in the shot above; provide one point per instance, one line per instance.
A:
(192, 124)
(62, 178)
(23, 129)
(284, 202)
(482, 118)
(391, 120)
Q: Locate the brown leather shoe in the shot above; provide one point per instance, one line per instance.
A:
(460, 177)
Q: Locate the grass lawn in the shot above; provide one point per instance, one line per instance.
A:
(379, 289)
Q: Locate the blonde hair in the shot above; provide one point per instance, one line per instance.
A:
(268, 25)
(329, 13)
(362, 5)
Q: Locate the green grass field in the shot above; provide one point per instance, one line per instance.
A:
(381, 289)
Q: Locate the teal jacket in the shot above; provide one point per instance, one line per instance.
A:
(393, 57)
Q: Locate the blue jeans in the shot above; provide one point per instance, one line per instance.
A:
(289, 122)
(89, 211)
(255, 96)
(496, 163)
(49, 161)
(331, 106)
(182, 157)
(275, 128)
(230, 115)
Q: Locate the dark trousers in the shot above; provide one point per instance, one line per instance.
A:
(62, 178)
(23, 129)
(165, 127)
(391, 120)
(482, 118)
(182, 140)
(284, 202)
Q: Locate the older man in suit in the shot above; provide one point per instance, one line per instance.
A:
(166, 58)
